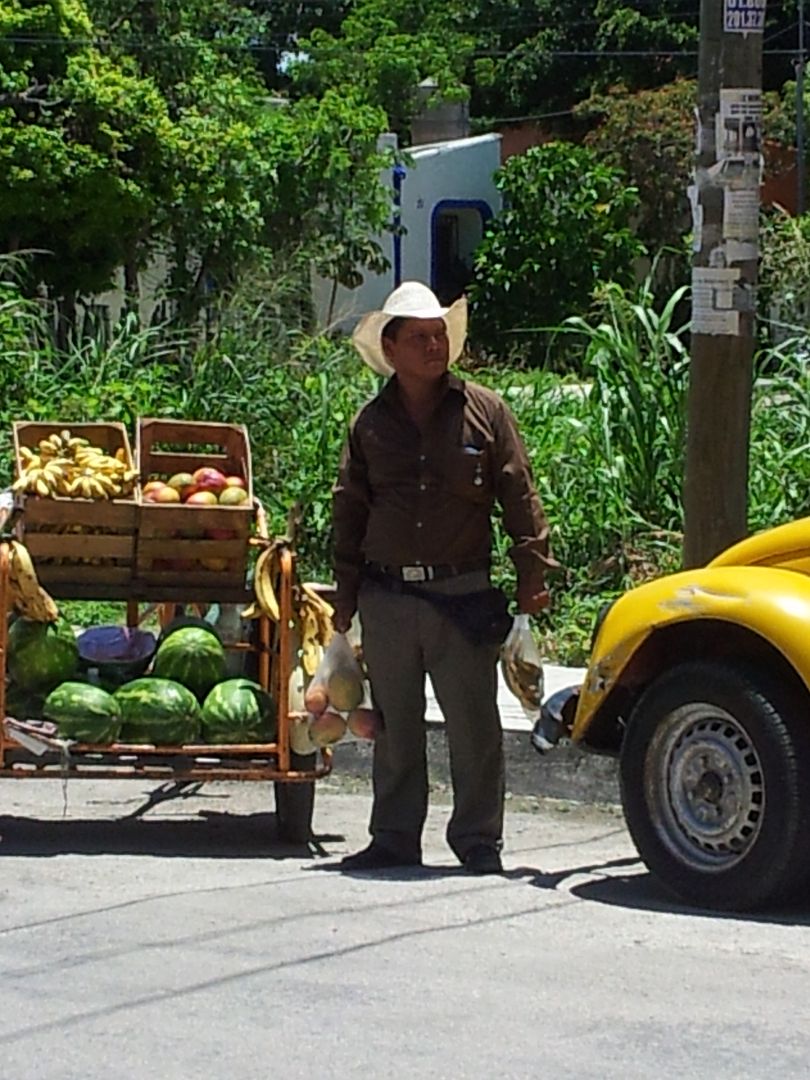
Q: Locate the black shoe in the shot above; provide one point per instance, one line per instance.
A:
(483, 859)
(377, 857)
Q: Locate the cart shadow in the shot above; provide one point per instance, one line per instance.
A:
(642, 892)
(208, 835)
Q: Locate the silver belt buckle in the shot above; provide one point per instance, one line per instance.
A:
(414, 573)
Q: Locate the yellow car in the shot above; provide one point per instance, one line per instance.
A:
(700, 683)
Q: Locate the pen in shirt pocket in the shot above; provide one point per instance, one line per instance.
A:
(477, 453)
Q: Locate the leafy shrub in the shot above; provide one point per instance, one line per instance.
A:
(565, 226)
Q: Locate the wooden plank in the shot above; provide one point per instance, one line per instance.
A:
(70, 546)
(84, 582)
(109, 436)
(89, 513)
(164, 519)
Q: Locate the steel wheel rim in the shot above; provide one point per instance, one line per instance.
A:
(705, 787)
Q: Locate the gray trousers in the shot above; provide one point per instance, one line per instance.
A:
(405, 637)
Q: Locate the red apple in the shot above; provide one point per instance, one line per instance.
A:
(201, 498)
(208, 479)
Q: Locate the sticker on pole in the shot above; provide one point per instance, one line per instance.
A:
(713, 310)
(743, 16)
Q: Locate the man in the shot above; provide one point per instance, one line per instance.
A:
(424, 463)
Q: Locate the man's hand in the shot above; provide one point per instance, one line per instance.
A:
(532, 597)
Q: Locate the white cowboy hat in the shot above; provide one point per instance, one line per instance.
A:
(412, 300)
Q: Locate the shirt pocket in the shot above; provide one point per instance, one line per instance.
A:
(468, 473)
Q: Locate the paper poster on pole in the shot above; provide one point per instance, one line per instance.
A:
(741, 214)
(697, 217)
(743, 16)
(739, 124)
(712, 300)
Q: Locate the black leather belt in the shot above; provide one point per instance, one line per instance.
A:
(417, 572)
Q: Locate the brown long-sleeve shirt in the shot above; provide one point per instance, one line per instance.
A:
(405, 497)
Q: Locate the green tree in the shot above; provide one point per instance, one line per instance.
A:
(83, 140)
(650, 136)
(384, 49)
(151, 130)
(565, 227)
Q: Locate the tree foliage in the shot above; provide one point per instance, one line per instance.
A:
(82, 148)
(148, 128)
(565, 227)
(383, 50)
(543, 55)
(649, 135)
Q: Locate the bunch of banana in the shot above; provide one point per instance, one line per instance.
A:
(27, 595)
(70, 466)
(265, 576)
(315, 623)
(524, 678)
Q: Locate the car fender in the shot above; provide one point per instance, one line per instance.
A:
(773, 602)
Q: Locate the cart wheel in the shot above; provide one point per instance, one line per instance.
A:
(295, 803)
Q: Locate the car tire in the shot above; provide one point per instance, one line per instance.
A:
(295, 803)
(715, 782)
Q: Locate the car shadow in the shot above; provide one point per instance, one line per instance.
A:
(211, 834)
(643, 892)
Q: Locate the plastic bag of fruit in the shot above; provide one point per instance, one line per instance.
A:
(522, 666)
(337, 699)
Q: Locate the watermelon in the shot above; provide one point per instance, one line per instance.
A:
(41, 655)
(158, 711)
(83, 712)
(238, 711)
(181, 621)
(193, 657)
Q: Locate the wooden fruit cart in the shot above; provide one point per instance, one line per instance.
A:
(271, 648)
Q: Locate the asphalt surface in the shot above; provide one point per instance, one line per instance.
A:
(184, 942)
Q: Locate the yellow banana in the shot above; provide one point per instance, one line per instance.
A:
(264, 584)
(28, 596)
(264, 576)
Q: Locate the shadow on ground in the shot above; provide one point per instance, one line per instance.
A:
(211, 834)
(642, 892)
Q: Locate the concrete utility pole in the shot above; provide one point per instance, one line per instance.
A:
(725, 202)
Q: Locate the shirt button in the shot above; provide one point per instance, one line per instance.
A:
(419, 524)
(422, 457)
(422, 487)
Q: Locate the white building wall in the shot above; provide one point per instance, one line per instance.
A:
(457, 171)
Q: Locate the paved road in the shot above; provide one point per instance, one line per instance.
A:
(185, 944)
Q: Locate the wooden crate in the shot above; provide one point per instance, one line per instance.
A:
(178, 544)
(79, 541)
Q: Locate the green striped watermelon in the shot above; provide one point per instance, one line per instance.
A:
(83, 712)
(191, 656)
(41, 655)
(238, 711)
(158, 711)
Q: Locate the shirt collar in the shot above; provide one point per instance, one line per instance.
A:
(451, 382)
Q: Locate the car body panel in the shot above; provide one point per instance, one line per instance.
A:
(761, 584)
